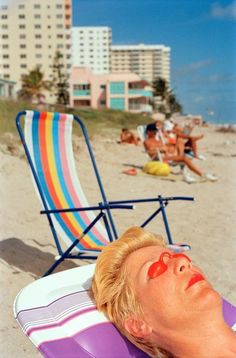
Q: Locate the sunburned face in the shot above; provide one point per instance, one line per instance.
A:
(170, 289)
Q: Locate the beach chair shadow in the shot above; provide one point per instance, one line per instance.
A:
(84, 229)
(61, 320)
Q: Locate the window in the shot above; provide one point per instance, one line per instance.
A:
(5, 56)
(38, 55)
(5, 36)
(102, 102)
(23, 65)
(59, 46)
(23, 56)
(21, 16)
(37, 16)
(21, 6)
(4, 7)
(81, 87)
(37, 6)
(5, 26)
(38, 36)
(23, 46)
(38, 46)
(37, 26)
(6, 65)
(117, 103)
(22, 36)
(21, 26)
(117, 87)
(59, 36)
(5, 46)
(59, 26)
(6, 76)
(4, 17)
(59, 16)
(58, 6)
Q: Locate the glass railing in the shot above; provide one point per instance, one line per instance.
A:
(81, 93)
(140, 92)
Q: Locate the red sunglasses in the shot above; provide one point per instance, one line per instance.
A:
(159, 267)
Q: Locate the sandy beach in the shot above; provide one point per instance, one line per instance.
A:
(207, 224)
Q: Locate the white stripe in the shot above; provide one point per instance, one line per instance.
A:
(57, 318)
(69, 329)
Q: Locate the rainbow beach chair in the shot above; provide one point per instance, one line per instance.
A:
(47, 140)
(62, 321)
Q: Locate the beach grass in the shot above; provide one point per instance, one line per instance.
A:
(96, 121)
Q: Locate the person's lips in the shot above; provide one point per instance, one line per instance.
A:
(194, 279)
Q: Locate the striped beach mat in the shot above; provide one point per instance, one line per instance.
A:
(61, 320)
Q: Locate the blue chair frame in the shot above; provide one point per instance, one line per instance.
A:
(104, 207)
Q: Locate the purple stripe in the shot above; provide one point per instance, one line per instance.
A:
(229, 312)
(102, 340)
(55, 307)
(61, 323)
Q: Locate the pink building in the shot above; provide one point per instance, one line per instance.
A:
(123, 91)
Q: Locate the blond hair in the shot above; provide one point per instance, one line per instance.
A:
(111, 290)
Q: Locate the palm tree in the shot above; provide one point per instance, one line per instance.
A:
(33, 86)
(60, 80)
(161, 88)
(173, 104)
(169, 103)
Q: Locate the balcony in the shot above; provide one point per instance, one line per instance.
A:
(81, 93)
(140, 92)
(140, 108)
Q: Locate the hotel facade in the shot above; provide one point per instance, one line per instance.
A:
(31, 33)
(91, 47)
(121, 91)
(147, 61)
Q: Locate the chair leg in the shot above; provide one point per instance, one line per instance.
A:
(66, 253)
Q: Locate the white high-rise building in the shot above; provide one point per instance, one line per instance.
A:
(147, 61)
(91, 47)
(31, 31)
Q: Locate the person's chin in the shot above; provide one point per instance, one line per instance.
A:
(205, 297)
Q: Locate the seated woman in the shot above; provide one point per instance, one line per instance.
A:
(159, 300)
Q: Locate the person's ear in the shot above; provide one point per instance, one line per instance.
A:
(137, 327)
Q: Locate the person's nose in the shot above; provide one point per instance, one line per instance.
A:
(181, 264)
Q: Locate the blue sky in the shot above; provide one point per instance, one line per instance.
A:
(202, 37)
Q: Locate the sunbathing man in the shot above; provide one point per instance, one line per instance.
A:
(159, 300)
(127, 136)
(172, 153)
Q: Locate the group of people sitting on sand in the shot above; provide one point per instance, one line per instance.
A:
(169, 142)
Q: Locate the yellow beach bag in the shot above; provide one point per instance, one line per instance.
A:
(157, 168)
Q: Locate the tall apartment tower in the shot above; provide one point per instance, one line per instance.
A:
(147, 61)
(91, 47)
(31, 31)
